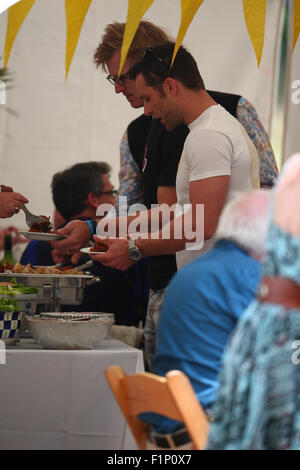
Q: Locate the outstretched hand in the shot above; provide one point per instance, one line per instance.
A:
(77, 235)
(10, 203)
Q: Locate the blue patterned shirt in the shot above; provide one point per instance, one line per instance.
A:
(258, 405)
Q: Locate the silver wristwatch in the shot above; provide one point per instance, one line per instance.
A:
(134, 252)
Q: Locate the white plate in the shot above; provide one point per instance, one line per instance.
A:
(42, 236)
(89, 252)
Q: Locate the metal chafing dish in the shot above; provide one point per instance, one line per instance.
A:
(54, 289)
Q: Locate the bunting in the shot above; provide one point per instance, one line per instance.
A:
(15, 17)
(136, 11)
(76, 11)
(255, 16)
(188, 10)
(296, 29)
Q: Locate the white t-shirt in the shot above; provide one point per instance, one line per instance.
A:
(217, 145)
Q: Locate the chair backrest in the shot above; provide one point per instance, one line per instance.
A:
(171, 396)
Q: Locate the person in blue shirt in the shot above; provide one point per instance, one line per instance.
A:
(206, 298)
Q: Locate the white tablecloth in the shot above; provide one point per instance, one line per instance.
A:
(61, 400)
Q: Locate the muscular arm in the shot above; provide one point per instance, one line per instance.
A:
(211, 192)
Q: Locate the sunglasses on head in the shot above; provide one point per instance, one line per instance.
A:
(149, 53)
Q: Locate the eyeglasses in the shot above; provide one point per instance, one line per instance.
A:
(149, 53)
(113, 192)
(115, 80)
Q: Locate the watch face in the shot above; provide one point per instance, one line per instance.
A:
(134, 252)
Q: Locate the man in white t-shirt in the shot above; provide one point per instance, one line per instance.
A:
(218, 157)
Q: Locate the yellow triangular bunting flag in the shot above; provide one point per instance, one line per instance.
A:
(136, 11)
(296, 22)
(255, 16)
(15, 17)
(189, 9)
(76, 11)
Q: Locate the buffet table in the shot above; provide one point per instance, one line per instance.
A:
(61, 400)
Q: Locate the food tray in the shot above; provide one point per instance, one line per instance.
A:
(27, 302)
(53, 289)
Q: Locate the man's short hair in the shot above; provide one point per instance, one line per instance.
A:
(156, 67)
(147, 34)
(71, 187)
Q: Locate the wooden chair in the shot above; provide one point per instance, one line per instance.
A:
(171, 396)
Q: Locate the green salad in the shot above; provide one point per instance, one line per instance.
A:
(9, 305)
(17, 289)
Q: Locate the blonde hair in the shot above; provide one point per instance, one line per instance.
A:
(146, 35)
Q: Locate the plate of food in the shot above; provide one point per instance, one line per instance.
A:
(29, 269)
(99, 248)
(48, 236)
(91, 251)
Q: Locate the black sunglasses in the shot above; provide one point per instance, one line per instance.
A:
(149, 53)
(115, 80)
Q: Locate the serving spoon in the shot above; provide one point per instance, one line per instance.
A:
(33, 219)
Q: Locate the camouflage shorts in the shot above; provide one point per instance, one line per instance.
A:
(156, 298)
